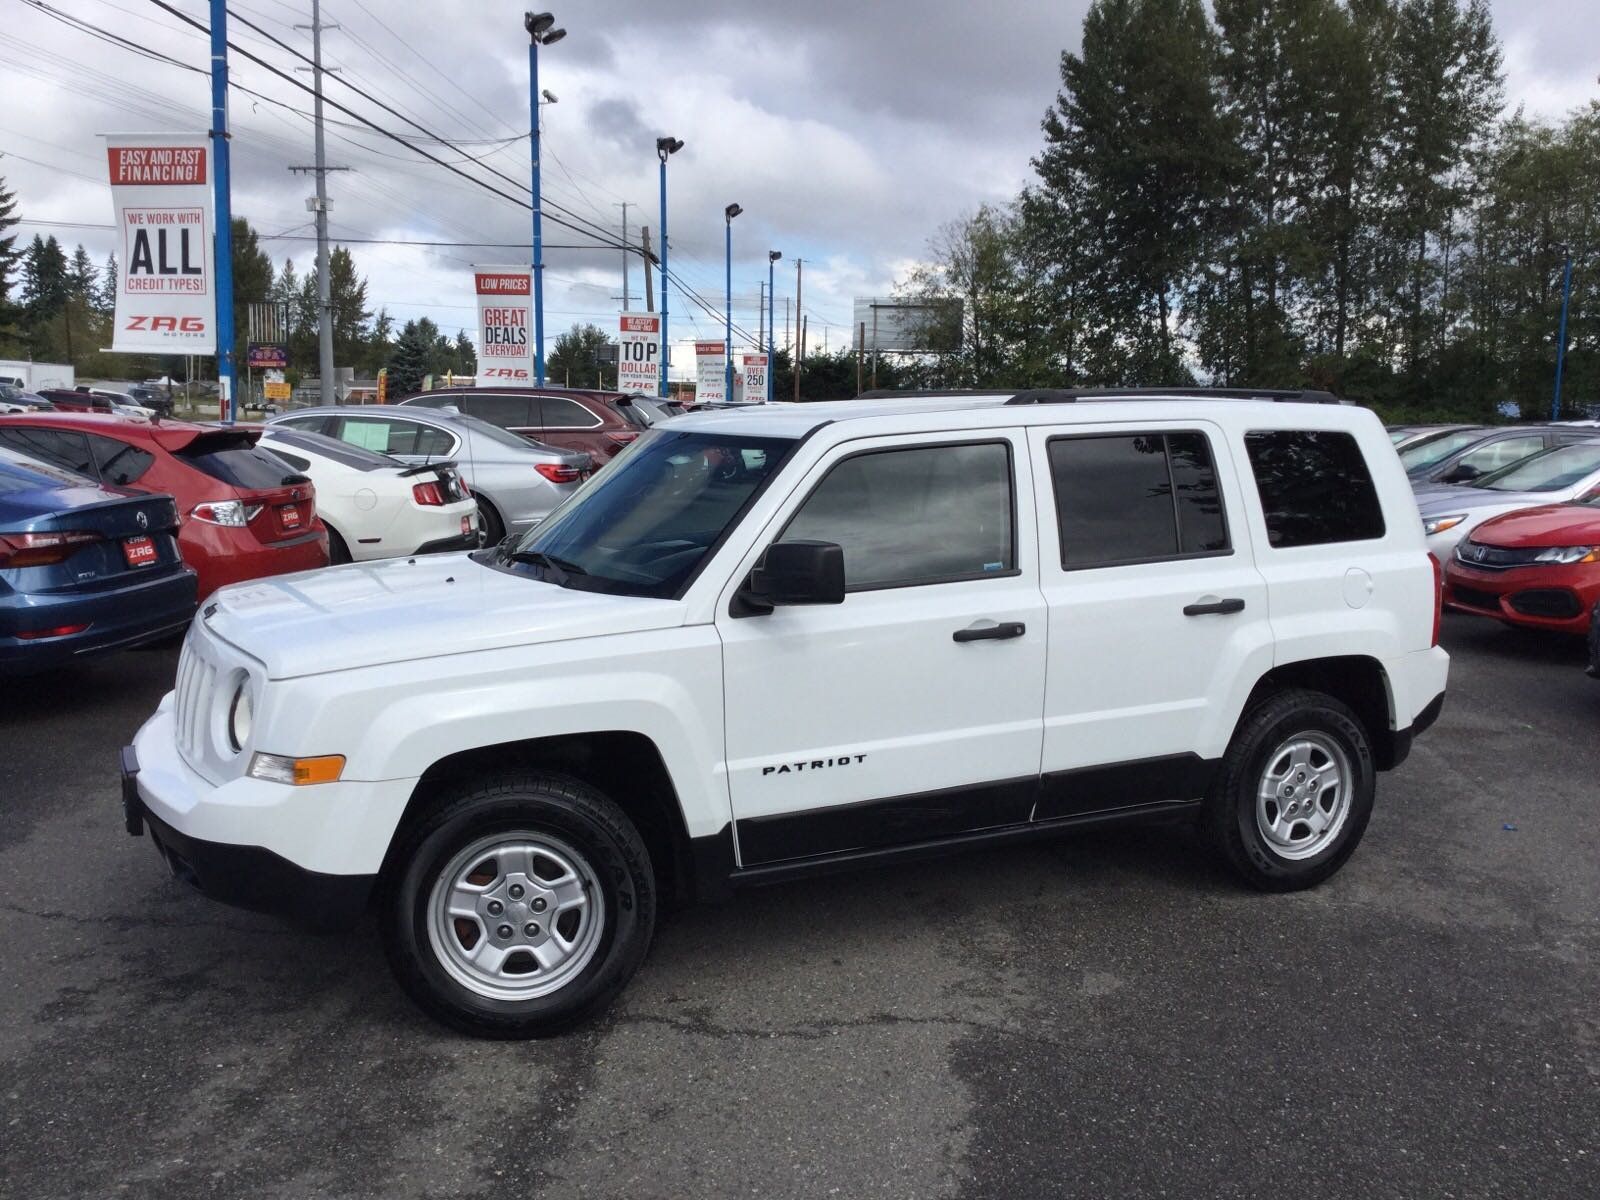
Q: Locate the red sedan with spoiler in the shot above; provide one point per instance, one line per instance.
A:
(243, 513)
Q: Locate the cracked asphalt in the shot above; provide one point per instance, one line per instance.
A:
(1103, 1016)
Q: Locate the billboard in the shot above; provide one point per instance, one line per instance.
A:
(710, 373)
(166, 300)
(505, 324)
(906, 326)
(753, 371)
(639, 353)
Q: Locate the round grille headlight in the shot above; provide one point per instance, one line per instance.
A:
(241, 717)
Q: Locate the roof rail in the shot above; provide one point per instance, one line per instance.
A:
(1073, 395)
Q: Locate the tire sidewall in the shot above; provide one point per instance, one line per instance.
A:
(1329, 719)
(627, 890)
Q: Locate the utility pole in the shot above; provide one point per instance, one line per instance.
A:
(861, 350)
(787, 344)
(649, 294)
(624, 207)
(761, 317)
(222, 199)
(799, 321)
(1561, 336)
(318, 204)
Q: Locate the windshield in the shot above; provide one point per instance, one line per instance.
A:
(1435, 450)
(1551, 471)
(643, 526)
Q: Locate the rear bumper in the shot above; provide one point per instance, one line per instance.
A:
(128, 616)
(223, 555)
(245, 876)
(1424, 721)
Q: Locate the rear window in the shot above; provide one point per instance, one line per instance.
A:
(282, 441)
(233, 458)
(1314, 486)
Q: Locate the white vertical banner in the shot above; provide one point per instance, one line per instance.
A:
(505, 324)
(754, 374)
(710, 373)
(166, 286)
(639, 353)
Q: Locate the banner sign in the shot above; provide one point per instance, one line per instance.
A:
(166, 296)
(267, 356)
(755, 378)
(639, 353)
(505, 324)
(711, 373)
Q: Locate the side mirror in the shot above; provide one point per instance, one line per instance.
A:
(795, 573)
(1462, 473)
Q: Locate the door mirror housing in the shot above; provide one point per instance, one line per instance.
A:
(796, 572)
(1462, 473)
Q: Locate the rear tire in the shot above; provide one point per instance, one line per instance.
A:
(1294, 793)
(338, 550)
(494, 529)
(519, 907)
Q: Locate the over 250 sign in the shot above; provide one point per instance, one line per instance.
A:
(166, 299)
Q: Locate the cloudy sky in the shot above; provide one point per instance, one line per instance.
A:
(848, 129)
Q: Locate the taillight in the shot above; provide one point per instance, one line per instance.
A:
(619, 440)
(29, 635)
(233, 513)
(42, 549)
(427, 493)
(558, 472)
(1438, 596)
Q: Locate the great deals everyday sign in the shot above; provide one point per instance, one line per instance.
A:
(166, 295)
(639, 353)
(505, 324)
(711, 373)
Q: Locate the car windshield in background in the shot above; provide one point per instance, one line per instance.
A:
(1426, 454)
(643, 526)
(1548, 472)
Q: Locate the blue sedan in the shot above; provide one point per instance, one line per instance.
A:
(83, 568)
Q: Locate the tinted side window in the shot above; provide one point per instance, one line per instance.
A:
(69, 450)
(1127, 498)
(435, 443)
(1314, 487)
(926, 514)
(508, 412)
(561, 413)
(1494, 455)
(119, 462)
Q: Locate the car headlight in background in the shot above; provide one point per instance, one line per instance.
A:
(1568, 554)
(1433, 525)
(241, 717)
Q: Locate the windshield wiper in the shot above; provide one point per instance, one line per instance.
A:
(539, 558)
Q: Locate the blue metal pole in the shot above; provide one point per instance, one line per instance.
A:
(771, 264)
(538, 232)
(1561, 338)
(220, 187)
(663, 390)
(727, 339)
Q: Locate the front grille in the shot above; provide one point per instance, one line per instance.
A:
(1473, 598)
(1547, 602)
(1494, 558)
(196, 679)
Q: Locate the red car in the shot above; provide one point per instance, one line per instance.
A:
(1538, 568)
(241, 513)
(594, 422)
(74, 401)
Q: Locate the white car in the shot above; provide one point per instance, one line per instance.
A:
(772, 642)
(375, 506)
(1452, 511)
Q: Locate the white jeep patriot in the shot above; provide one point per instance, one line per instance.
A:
(768, 642)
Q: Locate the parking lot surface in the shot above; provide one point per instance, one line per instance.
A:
(1105, 1015)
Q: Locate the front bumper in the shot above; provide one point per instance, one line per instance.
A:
(1557, 598)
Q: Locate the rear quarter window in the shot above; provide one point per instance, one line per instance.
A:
(1314, 486)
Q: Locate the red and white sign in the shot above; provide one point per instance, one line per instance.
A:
(505, 324)
(166, 301)
(639, 363)
(139, 551)
(710, 373)
(754, 374)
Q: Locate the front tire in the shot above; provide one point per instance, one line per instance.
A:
(1295, 791)
(519, 907)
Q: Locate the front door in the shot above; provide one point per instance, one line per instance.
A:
(912, 711)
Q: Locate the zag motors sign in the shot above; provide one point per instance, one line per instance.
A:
(505, 324)
(166, 292)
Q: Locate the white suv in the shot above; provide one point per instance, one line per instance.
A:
(764, 643)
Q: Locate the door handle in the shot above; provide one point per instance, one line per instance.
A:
(988, 633)
(1213, 606)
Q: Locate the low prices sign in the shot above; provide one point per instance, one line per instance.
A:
(639, 353)
(166, 299)
(710, 373)
(754, 371)
(505, 324)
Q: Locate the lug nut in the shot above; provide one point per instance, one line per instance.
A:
(538, 904)
(503, 932)
(516, 891)
(496, 908)
(531, 929)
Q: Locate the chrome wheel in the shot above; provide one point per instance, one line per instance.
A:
(516, 917)
(1303, 797)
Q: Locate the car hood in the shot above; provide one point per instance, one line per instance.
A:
(1459, 499)
(1549, 525)
(367, 614)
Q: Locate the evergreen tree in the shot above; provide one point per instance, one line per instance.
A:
(573, 362)
(409, 361)
(106, 298)
(10, 256)
(466, 355)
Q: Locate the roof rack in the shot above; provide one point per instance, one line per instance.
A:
(1074, 395)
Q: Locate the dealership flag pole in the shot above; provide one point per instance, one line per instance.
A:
(220, 191)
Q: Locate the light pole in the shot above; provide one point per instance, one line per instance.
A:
(540, 33)
(222, 189)
(729, 213)
(772, 262)
(1561, 337)
(666, 147)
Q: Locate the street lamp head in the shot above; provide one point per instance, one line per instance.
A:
(537, 23)
(774, 255)
(666, 146)
(554, 36)
(732, 211)
(549, 96)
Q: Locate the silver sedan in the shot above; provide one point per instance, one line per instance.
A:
(517, 482)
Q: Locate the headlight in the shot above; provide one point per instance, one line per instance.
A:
(241, 717)
(1433, 525)
(1569, 554)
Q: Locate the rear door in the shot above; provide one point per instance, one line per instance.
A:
(514, 413)
(1157, 611)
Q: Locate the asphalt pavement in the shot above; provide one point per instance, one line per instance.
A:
(1108, 1015)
